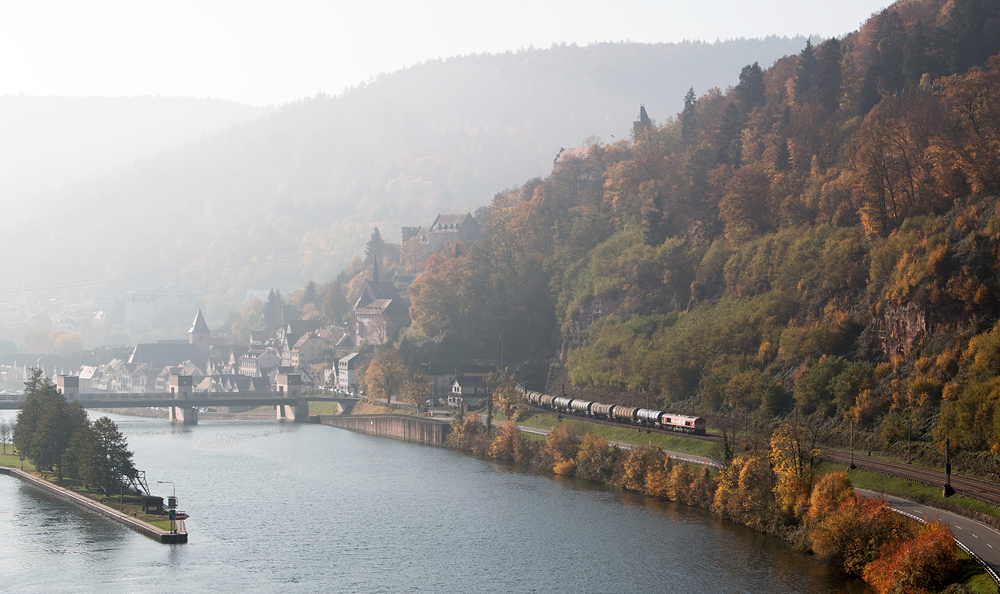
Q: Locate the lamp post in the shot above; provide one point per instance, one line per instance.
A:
(171, 503)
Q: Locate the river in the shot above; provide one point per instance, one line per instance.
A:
(309, 508)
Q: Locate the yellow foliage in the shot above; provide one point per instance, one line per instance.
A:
(507, 444)
(637, 465)
(563, 466)
(831, 490)
(794, 460)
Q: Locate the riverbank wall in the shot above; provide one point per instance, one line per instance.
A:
(402, 427)
(65, 494)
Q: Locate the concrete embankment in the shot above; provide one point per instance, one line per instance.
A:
(406, 428)
(67, 495)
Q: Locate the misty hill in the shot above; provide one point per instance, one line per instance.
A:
(49, 142)
(316, 175)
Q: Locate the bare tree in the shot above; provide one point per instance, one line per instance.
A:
(378, 330)
(5, 433)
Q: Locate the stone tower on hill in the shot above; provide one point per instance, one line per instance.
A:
(642, 121)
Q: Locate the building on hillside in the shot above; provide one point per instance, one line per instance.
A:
(379, 312)
(445, 230)
(163, 353)
(467, 391)
(259, 362)
(308, 350)
(289, 333)
(347, 373)
(568, 155)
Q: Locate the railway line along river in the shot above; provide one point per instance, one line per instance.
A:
(308, 508)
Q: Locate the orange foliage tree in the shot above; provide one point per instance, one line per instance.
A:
(637, 465)
(924, 564)
(508, 445)
(972, 143)
(596, 459)
(858, 532)
(561, 447)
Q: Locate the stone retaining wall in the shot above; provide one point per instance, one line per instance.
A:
(406, 428)
(133, 523)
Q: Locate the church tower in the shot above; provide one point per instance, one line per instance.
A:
(198, 335)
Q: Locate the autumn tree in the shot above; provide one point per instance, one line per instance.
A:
(857, 532)
(926, 563)
(596, 459)
(508, 445)
(745, 204)
(386, 375)
(794, 456)
(636, 466)
(830, 492)
(505, 394)
(562, 446)
(972, 140)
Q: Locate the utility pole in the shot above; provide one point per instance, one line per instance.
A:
(948, 491)
(852, 466)
(909, 429)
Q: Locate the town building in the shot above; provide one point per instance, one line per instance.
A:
(445, 230)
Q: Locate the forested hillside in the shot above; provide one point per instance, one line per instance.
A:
(822, 239)
(314, 176)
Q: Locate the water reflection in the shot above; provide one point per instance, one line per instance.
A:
(328, 510)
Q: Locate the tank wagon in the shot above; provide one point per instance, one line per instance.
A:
(631, 415)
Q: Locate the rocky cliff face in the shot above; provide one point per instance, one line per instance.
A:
(900, 326)
(585, 315)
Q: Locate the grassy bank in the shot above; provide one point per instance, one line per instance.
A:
(129, 504)
(673, 443)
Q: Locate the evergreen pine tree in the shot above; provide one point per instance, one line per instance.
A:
(804, 71)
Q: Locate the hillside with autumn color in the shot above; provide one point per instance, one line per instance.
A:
(822, 239)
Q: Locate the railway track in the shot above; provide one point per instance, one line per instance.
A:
(971, 487)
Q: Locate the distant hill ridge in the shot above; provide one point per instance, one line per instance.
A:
(316, 175)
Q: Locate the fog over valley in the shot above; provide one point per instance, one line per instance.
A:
(149, 191)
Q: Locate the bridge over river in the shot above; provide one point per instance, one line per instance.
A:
(183, 402)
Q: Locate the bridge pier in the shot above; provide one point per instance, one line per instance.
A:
(187, 415)
(182, 388)
(290, 386)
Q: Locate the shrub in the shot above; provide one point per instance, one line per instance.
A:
(508, 445)
(924, 564)
(596, 459)
(858, 532)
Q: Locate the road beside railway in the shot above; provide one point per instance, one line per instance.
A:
(976, 537)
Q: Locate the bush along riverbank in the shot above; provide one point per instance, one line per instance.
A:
(776, 490)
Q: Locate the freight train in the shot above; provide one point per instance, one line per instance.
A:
(643, 417)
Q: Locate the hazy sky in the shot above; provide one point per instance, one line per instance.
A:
(264, 52)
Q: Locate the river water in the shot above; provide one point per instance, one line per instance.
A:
(309, 508)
